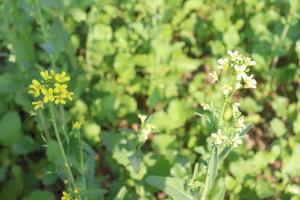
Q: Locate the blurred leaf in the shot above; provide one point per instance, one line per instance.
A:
(37, 195)
(278, 127)
(92, 193)
(10, 124)
(12, 189)
(121, 194)
(174, 187)
(264, 189)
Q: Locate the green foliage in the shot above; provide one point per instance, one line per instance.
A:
(152, 57)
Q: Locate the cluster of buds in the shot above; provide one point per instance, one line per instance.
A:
(51, 87)
(236, 66)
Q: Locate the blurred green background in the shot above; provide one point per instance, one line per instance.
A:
(127, 57)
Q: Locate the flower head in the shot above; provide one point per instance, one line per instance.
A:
(62, 77)
(222, 63)
(35, 88)
(46, 75)
(38, 104)
(77, 125)
(226, 89)
(214, 76)
(219, 137)
(240, 71)
(235, 107)
(234, 55)
(65, 196)
(50, 88)
(249, 81)
(236, 140)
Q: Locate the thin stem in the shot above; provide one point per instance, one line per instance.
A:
(62, 151)
(82, 169)
(44, 126)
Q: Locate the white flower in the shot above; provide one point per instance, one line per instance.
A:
(236, 141)
(240, 70)
(240, 124)
(205, 106)
(235, 107)
(218, 137)
(222, 63)
(214, 76)
(234, 55)
(249, 62)
(238, 85)
(142, 118)
(226, 89)
(250, 82)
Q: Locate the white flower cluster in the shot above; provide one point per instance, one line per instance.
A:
(220, 138)
(239, 65)
(146, 128)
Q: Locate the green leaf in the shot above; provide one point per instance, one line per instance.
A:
(280, 105)
(53, 152)
(121, 194)
(10, 126)
(11, 189)
(93, 193)
(175, 187)
(39, 194)
(231, 37)
(179, 112)
(291, 164)
(296, 125)
(278, 127)
(264, 189)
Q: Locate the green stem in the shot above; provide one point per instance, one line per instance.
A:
(43, 122)
(61, 148)
(82, 163)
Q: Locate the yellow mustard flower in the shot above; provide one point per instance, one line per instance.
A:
(48, 94)
(52, 88)
(35, 88)
(77, 125)
(60, 87)
(62, 77)
(38, 104)
(46, 75)
(59, 100)
(65, 196)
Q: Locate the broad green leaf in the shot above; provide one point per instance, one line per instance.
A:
(278, 127)
(264, 189)
(10, 126)
(174, 187)
(11, 189)
(53, 152)
(39, 194)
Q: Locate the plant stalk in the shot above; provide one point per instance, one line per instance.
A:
(61, 148)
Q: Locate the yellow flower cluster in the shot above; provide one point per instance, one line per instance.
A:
(51, 88)
(65, 196)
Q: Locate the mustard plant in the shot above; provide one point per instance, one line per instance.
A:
(232, 74)
(50, 92)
